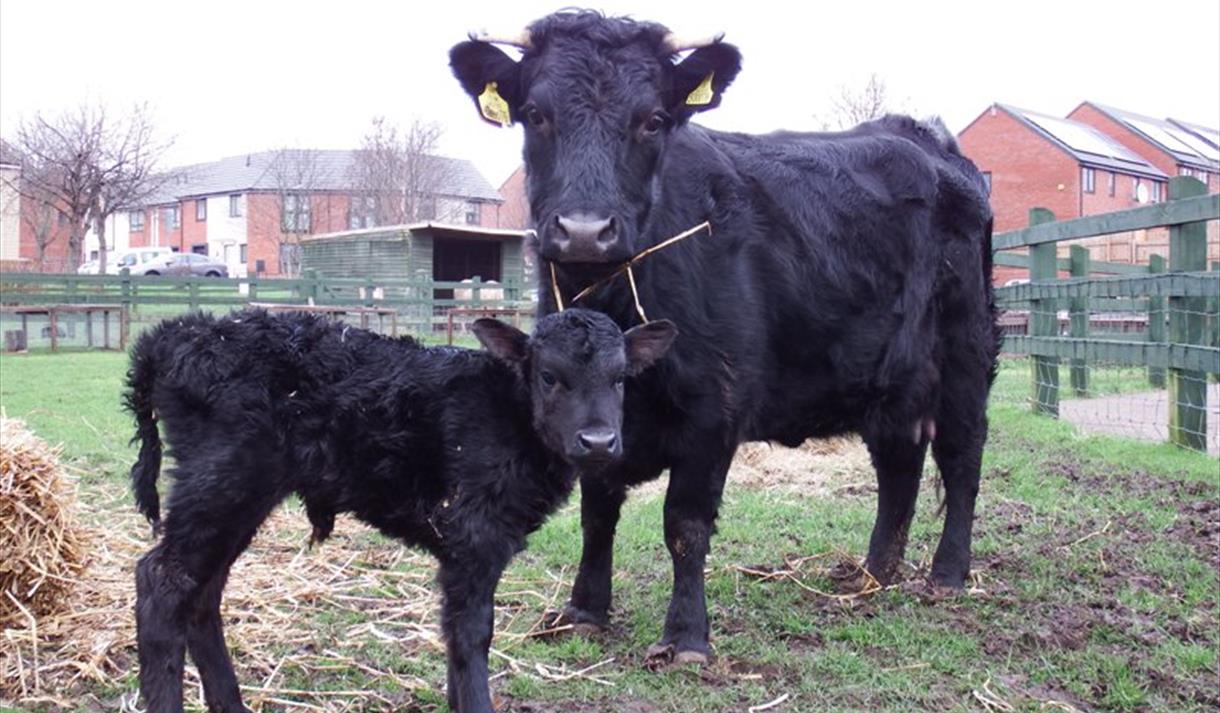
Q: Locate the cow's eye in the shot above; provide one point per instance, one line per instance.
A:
(548, 379)
(655, 123)
(534, 116)
(618, 380)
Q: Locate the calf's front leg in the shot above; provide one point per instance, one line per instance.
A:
(468, 579)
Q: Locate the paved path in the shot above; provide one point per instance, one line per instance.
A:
(1143, 415)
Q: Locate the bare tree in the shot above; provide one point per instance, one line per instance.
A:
(89, 165)
(397, 175)
(41, 216)
(853, 106)
(295, 175)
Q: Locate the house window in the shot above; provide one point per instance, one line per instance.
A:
(200, 248)
(1110, 182)
(1088, 178)
(244, 256)
(1155, 193)
(363, 212)
(1135, 189)
(472, 214)
(295, 214)
(172, 217)
(1185, 171)
(987, 181)
(290, 258)
(201, 210)
(427, 208)
(235, 207)
(136, 220)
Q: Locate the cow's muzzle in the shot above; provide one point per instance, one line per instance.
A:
(583, 237)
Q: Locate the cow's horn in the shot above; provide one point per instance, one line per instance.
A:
(674, 43)
(521, 39)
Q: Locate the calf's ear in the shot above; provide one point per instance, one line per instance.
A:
(504, 341)
(647, 343)
(700, 80)
(490, 77)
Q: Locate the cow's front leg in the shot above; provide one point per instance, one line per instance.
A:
(691, 504)
(601, 499)
(468, 578)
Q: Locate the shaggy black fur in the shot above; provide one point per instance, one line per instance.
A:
(846, 286)
(459, 452)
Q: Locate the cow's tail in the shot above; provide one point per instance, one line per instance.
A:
(141, 381)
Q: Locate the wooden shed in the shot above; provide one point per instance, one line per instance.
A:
(423, 252)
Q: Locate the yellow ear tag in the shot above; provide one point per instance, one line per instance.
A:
(702, 95)
(493, 106)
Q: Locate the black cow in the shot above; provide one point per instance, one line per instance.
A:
(844, 286)
(459, 452)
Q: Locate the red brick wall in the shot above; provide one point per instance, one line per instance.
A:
(515, 212)
(263, 216)
(1027, 171)
(56, 257)
(140, 238)
(194, 231)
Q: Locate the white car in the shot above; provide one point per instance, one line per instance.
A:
(134, 259)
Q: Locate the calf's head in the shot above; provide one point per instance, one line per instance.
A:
(574, 366)
(600, 99)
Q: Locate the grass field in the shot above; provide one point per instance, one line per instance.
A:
(1096, 574)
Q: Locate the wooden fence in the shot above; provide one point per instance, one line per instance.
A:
(1180, 346)
(420, 305)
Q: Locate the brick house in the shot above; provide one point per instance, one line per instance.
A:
(1175, 147)
(251, 213)
(24, 220)
(1036, 160)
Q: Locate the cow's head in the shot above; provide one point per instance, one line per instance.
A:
(599, 99)
(574, 366)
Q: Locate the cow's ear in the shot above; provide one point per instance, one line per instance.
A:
(504, 341)
(647, 343)
(700, 80)
(490, 77)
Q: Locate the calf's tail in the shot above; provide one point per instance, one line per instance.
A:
(141, 379)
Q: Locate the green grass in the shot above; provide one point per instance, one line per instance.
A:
(1093, 584)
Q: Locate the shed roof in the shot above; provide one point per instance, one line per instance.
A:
(444, 229)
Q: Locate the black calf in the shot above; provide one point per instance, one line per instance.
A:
(459, 452)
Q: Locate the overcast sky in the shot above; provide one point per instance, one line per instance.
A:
(225, 78)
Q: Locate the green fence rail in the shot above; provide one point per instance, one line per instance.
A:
(422, 305)
(1180, 348)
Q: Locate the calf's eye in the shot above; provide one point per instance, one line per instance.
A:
(547, 378)
(655, 123)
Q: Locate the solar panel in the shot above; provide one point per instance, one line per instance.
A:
(1175, 139)
(1082, 138)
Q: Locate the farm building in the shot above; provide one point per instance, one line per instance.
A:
(422, 252)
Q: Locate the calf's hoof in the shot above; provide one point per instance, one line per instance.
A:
(662, 656)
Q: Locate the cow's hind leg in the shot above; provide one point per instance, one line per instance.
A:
(691, 505)
(899, 464)
(958, 450)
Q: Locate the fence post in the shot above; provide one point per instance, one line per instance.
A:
(252, 289)
(1044, 319)
(1079, 316)
(125, 288)
(369, 287)
(192, 290)
(1187, 324)
(310, 288)
(1156, 321)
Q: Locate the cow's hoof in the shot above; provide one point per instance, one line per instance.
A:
(570, 621)
(663, 656)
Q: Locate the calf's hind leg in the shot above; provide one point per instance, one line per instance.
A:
(178, 589)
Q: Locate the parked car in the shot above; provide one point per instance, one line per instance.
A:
(133, 259)
(183, 264)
